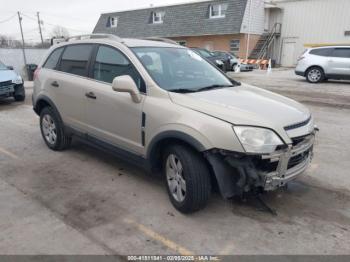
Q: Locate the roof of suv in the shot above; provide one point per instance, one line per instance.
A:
(329, 46)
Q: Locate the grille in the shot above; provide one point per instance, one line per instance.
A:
(7, 83)
(297, 140)
(296, 160)
(297, 125)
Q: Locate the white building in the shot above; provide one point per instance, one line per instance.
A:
(305, 23)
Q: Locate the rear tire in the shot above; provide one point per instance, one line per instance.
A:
(315, 75)
(52, 130)
(187, 178)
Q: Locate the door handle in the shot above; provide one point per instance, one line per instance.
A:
(55, 84)
(90, 95)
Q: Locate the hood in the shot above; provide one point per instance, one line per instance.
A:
(246, 105)
(7, 75)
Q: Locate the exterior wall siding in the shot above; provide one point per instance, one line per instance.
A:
(314, 22)
(257, 17)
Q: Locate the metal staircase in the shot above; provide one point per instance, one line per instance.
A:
(262, 47)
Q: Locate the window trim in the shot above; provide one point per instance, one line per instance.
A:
(58, 61)
(161, 17)
(110, 21)
(93, 60)
(220, 15)
(239, 45)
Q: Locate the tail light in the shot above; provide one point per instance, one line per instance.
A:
(36, 73)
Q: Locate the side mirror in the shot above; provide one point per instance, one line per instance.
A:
(127, 85)
(10, 67)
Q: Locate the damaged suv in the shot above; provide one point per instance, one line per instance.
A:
(162, 106)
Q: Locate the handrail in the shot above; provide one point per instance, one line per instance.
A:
(275, 30)
(95, 36)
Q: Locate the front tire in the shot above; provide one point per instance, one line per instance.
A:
(19, 98)
(52, 130)
(315, 75)
(187, 178)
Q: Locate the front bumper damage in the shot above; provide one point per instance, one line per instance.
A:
(237, 173)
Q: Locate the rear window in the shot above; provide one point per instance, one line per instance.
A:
(321, 51)
(51, 62)
(75, 59)
(341, 52)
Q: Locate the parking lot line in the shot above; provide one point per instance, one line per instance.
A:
(163, 240)
(5, 152)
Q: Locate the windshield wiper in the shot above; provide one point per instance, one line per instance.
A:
(212, 87)
(182, 90)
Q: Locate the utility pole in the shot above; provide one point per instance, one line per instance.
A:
(24, 52)
(41, 34)
(249, 28)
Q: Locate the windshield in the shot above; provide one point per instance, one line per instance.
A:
(204, 53)
(2, 66)
(180, 69)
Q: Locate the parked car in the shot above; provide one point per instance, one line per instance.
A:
(11, 84)
(322, 63)
(234, 61)
(162, 106)
(220, 61)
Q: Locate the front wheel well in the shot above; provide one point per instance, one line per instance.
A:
(40, 105)
(156, 155)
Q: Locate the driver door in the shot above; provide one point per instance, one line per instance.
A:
(112, 116)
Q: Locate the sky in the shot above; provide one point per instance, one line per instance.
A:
(78, 16)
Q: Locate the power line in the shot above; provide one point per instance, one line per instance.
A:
(8, 19)
(52, 24)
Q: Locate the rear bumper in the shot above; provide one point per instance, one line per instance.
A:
(299, 73)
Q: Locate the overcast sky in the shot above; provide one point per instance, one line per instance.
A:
(79, 16)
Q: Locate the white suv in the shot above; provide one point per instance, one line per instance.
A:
(319, 64)
(164, 107)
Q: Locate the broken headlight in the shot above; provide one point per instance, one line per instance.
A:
(257, 140)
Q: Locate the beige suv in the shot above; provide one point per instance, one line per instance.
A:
(162, 106)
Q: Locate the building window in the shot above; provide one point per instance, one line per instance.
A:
(234, 46)
(182, 42)
(347, 33)
(217, 11)
(158, 17)
(113, 21)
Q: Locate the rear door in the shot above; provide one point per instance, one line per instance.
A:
(69, 84)
(339, 62)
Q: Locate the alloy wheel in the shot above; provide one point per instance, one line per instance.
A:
(175, 178)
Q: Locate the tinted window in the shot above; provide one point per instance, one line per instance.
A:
(111, 63)
(75, 59)
(52, 61)
(341, 52)
(321, 52)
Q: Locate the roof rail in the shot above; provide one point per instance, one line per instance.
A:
(160, 39)
(95, 36)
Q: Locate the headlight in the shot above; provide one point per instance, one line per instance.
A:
(257, 140)
(219, 62)
(18, 80)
